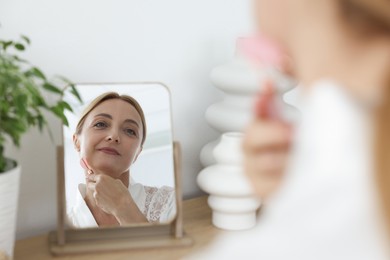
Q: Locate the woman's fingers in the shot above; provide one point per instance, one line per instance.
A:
(266, 142)
(266, 135)
(92, 177)
(100, 182)
(265, 166)
(265, 185)
(267, 161)
(109, 193)
(92, 187)
(264, 101)
(265, 170)
(266, 145)
(95, 184)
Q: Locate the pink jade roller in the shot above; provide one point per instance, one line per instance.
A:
(261, 51)
(85, 165)
(266, 55)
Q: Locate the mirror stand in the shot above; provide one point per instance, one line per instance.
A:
(77, 241)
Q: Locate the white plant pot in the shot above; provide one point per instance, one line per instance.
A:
(9, 193)
(231, 196)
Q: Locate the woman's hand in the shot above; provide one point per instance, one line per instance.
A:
(266, 144)
(113, 197)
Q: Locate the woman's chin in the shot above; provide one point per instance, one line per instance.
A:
(111, 170)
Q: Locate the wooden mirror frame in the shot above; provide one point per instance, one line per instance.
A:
(140, 236)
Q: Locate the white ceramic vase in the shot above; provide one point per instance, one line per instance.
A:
(241, 82)
(231, 197)
(9, 193)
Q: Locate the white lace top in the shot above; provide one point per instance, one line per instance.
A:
(157, 204)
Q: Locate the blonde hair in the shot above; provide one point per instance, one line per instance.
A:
(373, 17)
(107, 96)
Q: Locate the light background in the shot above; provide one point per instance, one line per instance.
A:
(177, 42)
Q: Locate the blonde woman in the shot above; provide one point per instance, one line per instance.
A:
(326, 185)
(109, 138)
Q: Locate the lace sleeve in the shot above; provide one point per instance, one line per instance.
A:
(159, 204)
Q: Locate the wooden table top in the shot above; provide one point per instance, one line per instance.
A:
(197, 224)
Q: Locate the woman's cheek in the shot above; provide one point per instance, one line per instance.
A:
(82, 147)
(88, 146)
(270, 16)
(130, 158)
(132, 154)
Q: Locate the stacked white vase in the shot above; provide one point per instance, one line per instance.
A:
(231, 198)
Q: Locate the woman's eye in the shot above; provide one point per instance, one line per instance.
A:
(100, 125)
(130, 132)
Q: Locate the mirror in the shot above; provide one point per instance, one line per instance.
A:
(118, 169)
(114, 142)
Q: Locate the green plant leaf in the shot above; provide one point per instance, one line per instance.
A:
(20, 103)
(64, 80)
(41, 122)
(22, 100)
(74, 91)
(2, 158)
(38, 73)
(6, 44)
(65, 105)
(19, 46)
(19, 59)
(72, 87)
(51, 88)
(58, 110)
(26, 39)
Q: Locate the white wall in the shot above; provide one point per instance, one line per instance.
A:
(177, 42)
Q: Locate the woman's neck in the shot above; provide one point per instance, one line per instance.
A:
(125, 178)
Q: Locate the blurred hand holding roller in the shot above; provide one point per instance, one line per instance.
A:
(268, 137)
(267, 57)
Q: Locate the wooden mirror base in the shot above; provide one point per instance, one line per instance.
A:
(115, 244)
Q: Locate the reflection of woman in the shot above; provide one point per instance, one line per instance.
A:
(109, 137)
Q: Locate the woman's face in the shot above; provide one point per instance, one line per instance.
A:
(111, 137)
(272, 17)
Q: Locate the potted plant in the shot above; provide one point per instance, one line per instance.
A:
(22, 106)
